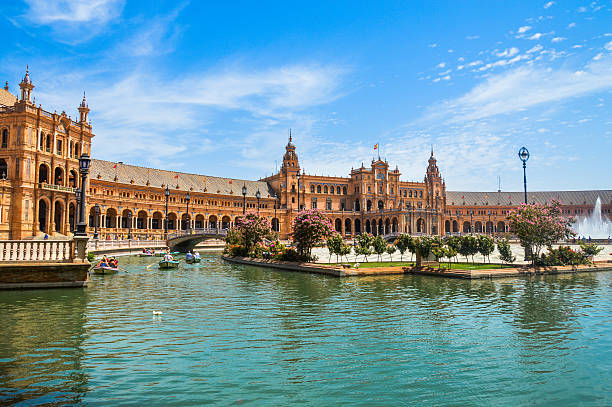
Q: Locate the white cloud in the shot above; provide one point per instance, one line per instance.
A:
(582, 9)
(549, 4)
(73, 11)
(558, 39)
(441, 65)
(598, 57)
(507, 53)
(608, 46)
(433, 45)
(571, 25)
(472, 37)
(524, 29)
(475, 63)
(536, 36)
(525, 87)
(446, 78)
(536, 48)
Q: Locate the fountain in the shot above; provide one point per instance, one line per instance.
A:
(594, 226)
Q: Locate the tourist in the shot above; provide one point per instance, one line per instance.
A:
(196, 255)
(168, 256)
(113, 262)
(188, 256)
(103, 262)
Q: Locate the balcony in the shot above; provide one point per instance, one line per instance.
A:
(60, 188)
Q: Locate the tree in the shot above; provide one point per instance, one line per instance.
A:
(468, 247)
(345, 250)
(310, 227)
(422, 248)
(450, 253)
(590, 249)
(402, 243)
(380, 246)
(505, 252)
(364, 241)
(253, 229)
(486, 246)
(390, 250)
(538, 226)
(334, 245)
(454, 243)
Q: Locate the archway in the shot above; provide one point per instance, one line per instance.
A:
(184, 221)
(357, 226)
(58, 216)
(3, 169)
(381, 205)
(338, 225)
(212, 221)
(125, 216)
(275, 225)
(489, 227)
(72, 216)
(387, 226)
(43, 174)
(478, 227)
(72, 179)
(374, 228)
(172, 218)
(225, 222)
(420, 224)
(111, 218)
(501, 227)
(369, 205)
(199, 221)
(368, 229)
(447, 227)
(466, 227)
(141, 220)
(58, 177)
(394, 225)
(347, 226)
(43, 215)
(455, 226)
(157, 220)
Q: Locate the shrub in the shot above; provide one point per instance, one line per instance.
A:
(91, 257)
(364, 241)
(486, 246)
(379, 245)
(563, 256)
(310, 227)
(402, 243)
(590, 249)
(505, 252)
(334, 245)
(238, 250)
(291, 255)
(250, 230)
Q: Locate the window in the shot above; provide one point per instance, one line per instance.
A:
(318, 189)
(5, 138)
(325, 189)
(421, 194)
(338, 190)
(28, 169)
(409, 193)
(312, 189)
(16, 167)
(41, 141)
(314, 203)
(27, 210)
(328, 204)
(391, 189)
(58, 149)
(331, 190)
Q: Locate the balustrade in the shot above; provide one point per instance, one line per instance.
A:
(37, 250)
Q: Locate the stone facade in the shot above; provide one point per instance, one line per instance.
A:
(39, 175)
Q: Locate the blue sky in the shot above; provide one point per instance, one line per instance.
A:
(213, 87)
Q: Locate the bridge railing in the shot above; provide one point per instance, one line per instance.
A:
(39, 251)
(200, 231)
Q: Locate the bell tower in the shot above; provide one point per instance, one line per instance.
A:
(83, 110)
(26, 87)
(291, 195)
(436, 192)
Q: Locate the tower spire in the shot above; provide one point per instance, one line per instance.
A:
(26, 86)
(290, 138)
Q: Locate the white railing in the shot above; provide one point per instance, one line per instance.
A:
(201, 231)
(37, 250)
(123, 244)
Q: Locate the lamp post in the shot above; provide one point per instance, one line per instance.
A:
(244, 191)
(129, 216)
(524, 156)
(471, 221)
(409, 218)
(77, 193)
(258, 195)
(97, 216)
(490, 224)
(298, 186)
(84, 162)
(167, 194)
(275, 218)
(187, 199)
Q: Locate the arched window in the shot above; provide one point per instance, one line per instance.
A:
(76, 150)
(318, 189)
(43, 174)
(5, 138)
(331, 190)
(410, 193)
(343, 190)
(325, 189)
(312, 189)
(41, 141)
(48, 143)
(338, 190)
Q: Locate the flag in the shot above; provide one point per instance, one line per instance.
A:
(462, 196)
(486, 196)
(230, 181)
(176, 176)
(376, 146)
(115, 166)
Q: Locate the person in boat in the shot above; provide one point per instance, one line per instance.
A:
(144, 251)
(168, 256)
(189, 256)
(113, 262)
(103, 262)
(196, 255)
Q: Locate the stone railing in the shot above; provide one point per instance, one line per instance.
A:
(37, 250)
(94, 244)
(52, 187)
(202, 231)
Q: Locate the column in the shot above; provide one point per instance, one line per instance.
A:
(51, 227)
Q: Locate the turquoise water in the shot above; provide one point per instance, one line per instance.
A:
(236, 335)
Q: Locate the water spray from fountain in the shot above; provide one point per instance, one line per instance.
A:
(595, 225)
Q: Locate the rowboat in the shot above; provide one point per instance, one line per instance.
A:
(162, 253)
(105, 270)
(168, 264)
(146, 254)
(192, 260)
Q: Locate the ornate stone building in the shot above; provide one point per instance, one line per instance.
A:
(39, 176)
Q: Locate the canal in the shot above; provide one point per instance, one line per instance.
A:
(238, 335)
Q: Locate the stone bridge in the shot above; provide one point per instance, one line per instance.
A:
(186, 240)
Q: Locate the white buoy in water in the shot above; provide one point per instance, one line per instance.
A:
(157, 312)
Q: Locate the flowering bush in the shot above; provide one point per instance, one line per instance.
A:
(563, 256)
(252, 228)
(310, 227)
(538, 226)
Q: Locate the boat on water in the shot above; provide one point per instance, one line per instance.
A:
(147, 254)
(105, 270)
(162, 253)
(192, 260)
(168, 264)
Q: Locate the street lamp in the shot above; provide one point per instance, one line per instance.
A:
(471, 221)
(84, 162)
(97, 215)
(129, 216)
(490, 224)
(410, 218)
(167, 194)
(258, 195)
(298, 186)
(244, 191)
(77, 193)
(187, 199)
(275, 219)
(524, 156)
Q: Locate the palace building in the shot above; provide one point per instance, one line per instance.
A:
(39, 177)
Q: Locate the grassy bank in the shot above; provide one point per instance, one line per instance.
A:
(453, 266)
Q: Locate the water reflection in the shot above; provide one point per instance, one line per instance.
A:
(41, 346)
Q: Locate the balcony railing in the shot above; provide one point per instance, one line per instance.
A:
(38, 251)
(51, 187)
